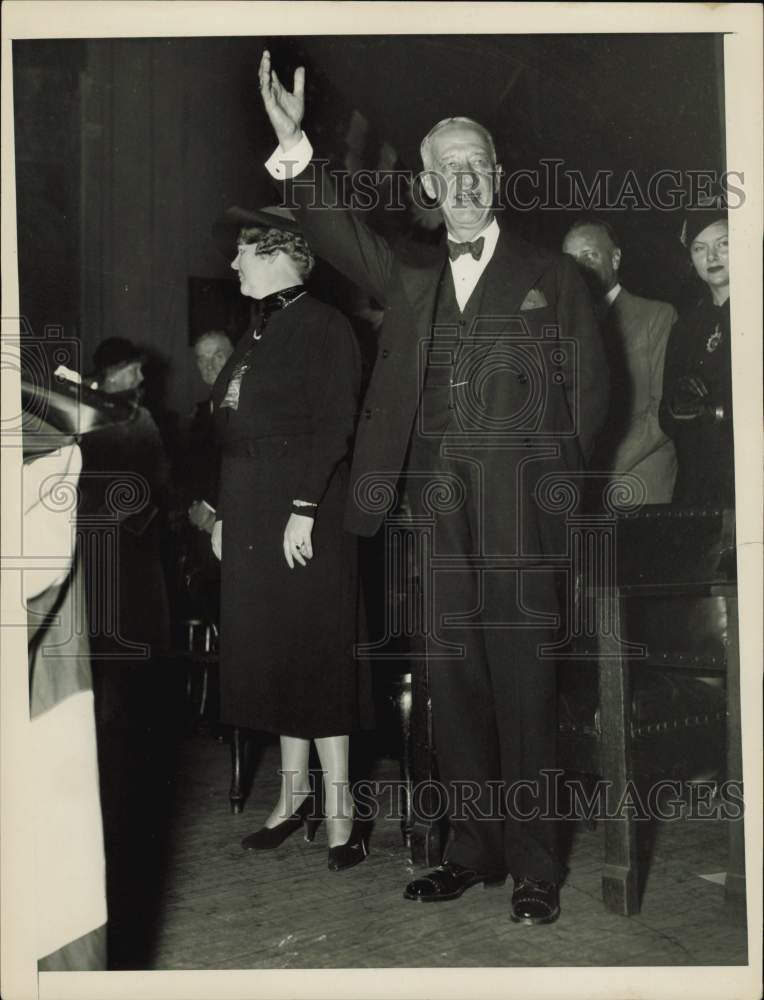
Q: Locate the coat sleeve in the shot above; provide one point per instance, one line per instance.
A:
(334, 232)
(671, 370)
(658, 337)
(660, 330)
(587, 378)
(333, 391)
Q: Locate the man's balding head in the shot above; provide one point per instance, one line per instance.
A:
(595, 248)
(211, 351)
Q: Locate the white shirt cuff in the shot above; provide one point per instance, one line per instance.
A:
(205, 504)
(284, 165)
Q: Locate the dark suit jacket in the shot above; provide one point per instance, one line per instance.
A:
(565, 398)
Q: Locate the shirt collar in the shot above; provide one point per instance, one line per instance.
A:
(612, 295)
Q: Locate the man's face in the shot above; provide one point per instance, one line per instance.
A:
(710, 255)
(211, 354)
(593, 251)
(461, 177)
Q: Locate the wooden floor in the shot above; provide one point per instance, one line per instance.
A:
(215, 906)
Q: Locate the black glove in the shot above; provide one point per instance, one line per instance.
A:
(690, 400)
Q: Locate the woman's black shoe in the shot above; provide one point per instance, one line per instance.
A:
(267, 838)
(352, 852)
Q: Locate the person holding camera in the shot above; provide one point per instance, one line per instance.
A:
(490, 376)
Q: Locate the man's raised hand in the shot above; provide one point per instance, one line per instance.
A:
(285, 110)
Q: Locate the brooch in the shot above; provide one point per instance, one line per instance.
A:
(714, 340)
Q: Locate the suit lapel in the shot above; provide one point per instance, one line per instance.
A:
(511, 273)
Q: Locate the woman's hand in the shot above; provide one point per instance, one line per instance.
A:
(285, 110)
(297, 545)
(217, 539)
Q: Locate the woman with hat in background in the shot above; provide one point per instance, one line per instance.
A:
(285, 406)
(696, 409)
(126, 480)
(125, 485)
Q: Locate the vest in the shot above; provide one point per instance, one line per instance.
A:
(450, 327)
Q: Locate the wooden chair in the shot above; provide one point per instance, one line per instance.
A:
(671, 606)
(654, 616)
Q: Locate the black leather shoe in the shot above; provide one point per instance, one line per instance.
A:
(352, 852)
(269, 837)
(535, 901)
(448, 881)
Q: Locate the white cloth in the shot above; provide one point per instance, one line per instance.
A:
(50, 502)
(282, 165)
(70, 866)
(465, 270)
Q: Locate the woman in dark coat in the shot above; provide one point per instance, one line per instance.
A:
(696, 409)
(285, 405)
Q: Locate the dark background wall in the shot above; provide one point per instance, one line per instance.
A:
(128, 149)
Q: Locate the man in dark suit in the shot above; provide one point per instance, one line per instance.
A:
(489, 385)
(211, 351)
(635, 333)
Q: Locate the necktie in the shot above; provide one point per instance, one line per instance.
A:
(475, 248)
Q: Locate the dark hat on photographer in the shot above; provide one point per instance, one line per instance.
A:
(226, 229)
(114, 352)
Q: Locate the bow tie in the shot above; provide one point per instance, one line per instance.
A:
(475, 248)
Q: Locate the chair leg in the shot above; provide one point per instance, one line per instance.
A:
(734, 888)
(406, 762)
(620, 886)
(239, 744)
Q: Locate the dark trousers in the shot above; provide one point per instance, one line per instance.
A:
(494, 697)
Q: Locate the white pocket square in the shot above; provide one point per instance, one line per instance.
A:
(535, 299)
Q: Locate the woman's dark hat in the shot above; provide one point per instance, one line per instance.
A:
(227, 227)
(700, 217)
(115, 352)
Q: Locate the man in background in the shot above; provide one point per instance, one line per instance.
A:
(211, 351)
(635, 332)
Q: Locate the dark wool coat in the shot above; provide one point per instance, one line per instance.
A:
(699, 347)
(287, 636)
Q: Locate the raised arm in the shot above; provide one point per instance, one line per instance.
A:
(332, 230)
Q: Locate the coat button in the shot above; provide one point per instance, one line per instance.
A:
(522, 378)
(367, 414)
(385, 353)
